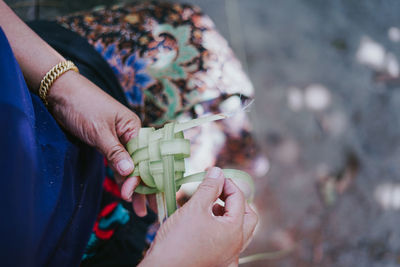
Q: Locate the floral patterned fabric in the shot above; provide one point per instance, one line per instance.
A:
(173, 65)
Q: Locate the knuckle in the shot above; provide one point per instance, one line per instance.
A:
(114, 152)
(208, 185)
(136, 120)
(128, 127)
(133, 122)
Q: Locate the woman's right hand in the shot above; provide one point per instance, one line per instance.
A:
(203, 233)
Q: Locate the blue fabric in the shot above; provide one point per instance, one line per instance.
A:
(50, 184)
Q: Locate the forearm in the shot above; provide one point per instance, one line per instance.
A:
(34, 56)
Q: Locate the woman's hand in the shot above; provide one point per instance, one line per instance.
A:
(78, 105)
(203, 233)
(97, 119)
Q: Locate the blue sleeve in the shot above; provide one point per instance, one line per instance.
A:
(50, 183)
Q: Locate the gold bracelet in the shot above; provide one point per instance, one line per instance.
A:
(52, 75)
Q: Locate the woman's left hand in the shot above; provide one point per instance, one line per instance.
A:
(100, 121)
(77, 104)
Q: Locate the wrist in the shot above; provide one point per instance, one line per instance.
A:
(34, 72)
(51, 77)
(63, 89)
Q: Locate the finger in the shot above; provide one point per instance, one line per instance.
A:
(139, 204)
(234, 200)
(210, 189)
(151, 199)
(128, 187)
(250, 221)
(218, 210)
(127, 126)
(116, 155)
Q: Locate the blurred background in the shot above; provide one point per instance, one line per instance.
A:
(326, 79)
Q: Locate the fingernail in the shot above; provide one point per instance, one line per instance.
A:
(124, 165)
(214, 172)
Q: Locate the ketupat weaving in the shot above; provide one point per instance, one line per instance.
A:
(159, 159)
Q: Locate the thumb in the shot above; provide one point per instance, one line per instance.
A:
(116, 155)
(210, 189)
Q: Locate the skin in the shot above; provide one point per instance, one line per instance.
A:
(200, 227)
(202, 233)
(77, 104)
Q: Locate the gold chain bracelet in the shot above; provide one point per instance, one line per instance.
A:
(52, 75)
